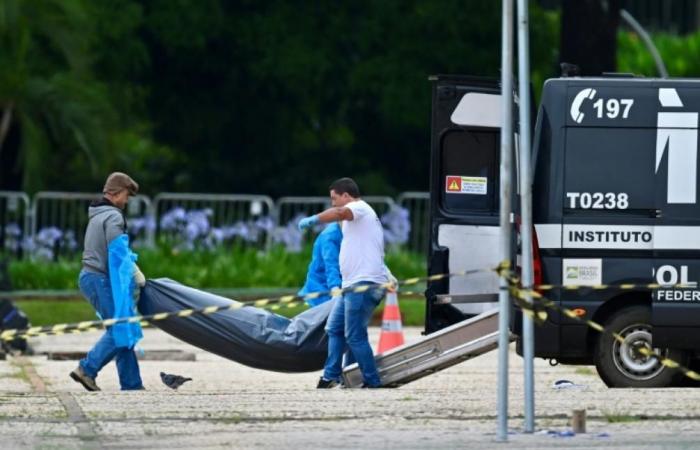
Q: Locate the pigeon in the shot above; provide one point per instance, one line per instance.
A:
(173, 381)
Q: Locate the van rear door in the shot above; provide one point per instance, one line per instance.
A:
(464, 197)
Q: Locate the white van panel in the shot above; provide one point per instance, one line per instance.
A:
(618, 237)
(478, 110)
(472, 247)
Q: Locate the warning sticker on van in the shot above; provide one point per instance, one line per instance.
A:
(466, 185)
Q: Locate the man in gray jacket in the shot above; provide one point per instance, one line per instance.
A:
(107, 221)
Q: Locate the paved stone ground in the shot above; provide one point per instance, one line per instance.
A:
(232, 406)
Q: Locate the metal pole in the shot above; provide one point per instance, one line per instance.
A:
(637, 27)
(505, 193)
(526, 207)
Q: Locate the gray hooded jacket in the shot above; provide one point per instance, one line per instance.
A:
(106, 223)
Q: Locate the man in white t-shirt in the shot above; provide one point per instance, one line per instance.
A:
(361, 264)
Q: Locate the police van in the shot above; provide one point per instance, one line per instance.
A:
(614, 202)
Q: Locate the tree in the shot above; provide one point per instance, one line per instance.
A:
(280, 97)
(275, 97)
(589, 34)
(51, 109)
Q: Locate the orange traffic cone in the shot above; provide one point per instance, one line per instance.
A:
(391, 335)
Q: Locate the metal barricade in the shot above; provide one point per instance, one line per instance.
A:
(418, 206)
(54, 223)
(288, 211)
(14, 222)
(393, 222)
(380, 204)
(291, 208)
(209, 220)
(58, 221)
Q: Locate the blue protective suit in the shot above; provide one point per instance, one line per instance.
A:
(121, 277)
(324, 271)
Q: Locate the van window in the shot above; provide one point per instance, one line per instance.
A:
(472, 155)
(609, 169)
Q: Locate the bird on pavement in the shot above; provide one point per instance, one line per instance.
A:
(173, 381)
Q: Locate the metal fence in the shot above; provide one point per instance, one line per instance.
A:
(58, 221)
(292, 208)
(418, 205)
(53, 223)
(380, 204)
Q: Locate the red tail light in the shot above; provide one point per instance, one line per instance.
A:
(536, 259)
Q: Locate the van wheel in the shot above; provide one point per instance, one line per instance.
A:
(620, 365)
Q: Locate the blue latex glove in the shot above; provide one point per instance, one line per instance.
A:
(307, 222)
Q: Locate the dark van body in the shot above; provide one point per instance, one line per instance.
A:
(614, 202)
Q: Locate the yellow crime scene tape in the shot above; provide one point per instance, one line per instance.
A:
(273, 303)
(520, 297)
(61, 333)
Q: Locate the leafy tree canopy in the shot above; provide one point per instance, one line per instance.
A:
(276, 97)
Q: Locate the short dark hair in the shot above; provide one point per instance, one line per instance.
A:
(345, 185)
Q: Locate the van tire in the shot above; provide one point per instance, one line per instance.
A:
(619, 366)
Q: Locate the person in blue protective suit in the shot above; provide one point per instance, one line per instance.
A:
(109, 275)
(323, 274)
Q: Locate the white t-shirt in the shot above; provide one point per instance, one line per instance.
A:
(362, 247)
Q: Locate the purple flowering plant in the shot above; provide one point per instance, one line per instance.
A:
(193, 230)
(397, 226)
(189, 230)
(48, 244)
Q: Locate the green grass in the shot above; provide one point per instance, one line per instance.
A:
(619, 417)
(584, 371)
(412, 311)
(51, 312)
(21, 373)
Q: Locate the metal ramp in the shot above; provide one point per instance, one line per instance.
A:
(435, 352)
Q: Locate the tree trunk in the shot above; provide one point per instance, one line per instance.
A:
(6, 122)
(10, 173)
(589, 34)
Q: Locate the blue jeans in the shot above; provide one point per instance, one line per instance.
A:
(347, 329)
(96, 289)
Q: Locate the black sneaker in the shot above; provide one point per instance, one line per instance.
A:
(87, 381)
(326, 384)
(369, 386)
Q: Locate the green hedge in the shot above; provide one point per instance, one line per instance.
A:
(681, 54)
(236, 268)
